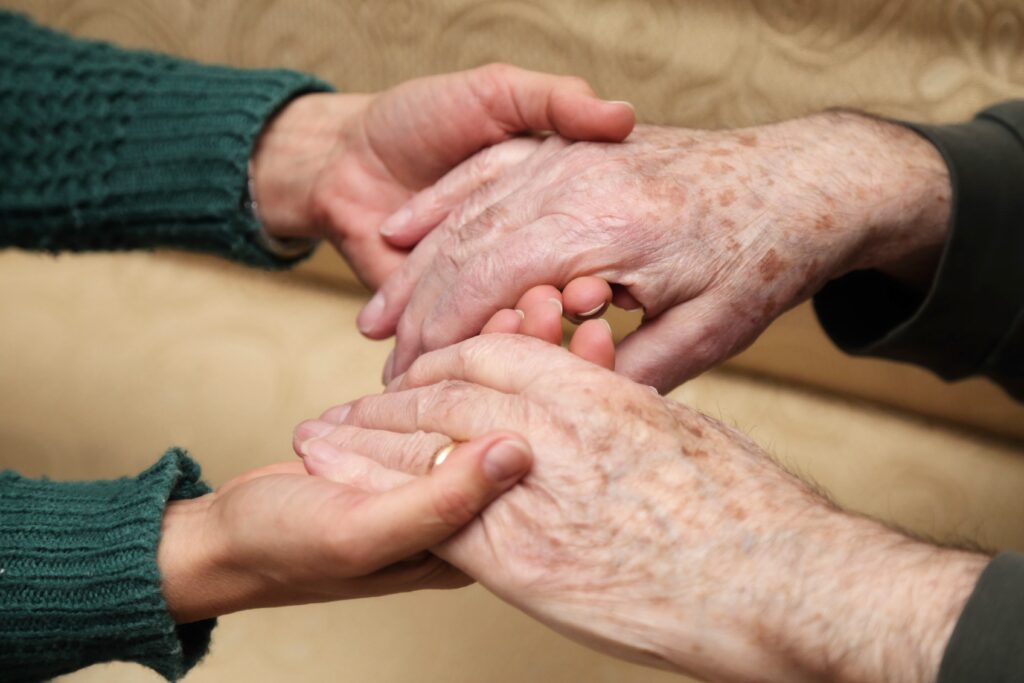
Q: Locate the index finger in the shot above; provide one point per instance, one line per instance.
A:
(480, 282)
(509, 363)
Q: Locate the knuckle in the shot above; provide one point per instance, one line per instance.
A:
(443, 400)
(482, 164)
(421, 446)
(434, 335)
(358, 412)
(498, 70)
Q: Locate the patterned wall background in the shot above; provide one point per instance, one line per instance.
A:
(683, 62)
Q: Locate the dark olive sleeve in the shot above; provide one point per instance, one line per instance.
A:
(971, 321)
(987, 645)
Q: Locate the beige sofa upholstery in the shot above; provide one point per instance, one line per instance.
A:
(107, 359)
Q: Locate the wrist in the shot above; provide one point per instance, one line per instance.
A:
(872, 604)
(892, 187)
(292, 150)
(191, 571)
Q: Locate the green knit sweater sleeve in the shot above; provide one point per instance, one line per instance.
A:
(109, 149)
(79, 582)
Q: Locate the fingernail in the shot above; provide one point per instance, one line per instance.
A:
(396, 222)
(311, 429)
(522, 316)
(371, 312)
(389, 367)
(628, 104)
(558, 303)
(337, 414)
(593, 311)
(606, 324)
(506, 459)
(318, 450)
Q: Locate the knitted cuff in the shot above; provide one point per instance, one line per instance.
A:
(110, 149)
(79, 582)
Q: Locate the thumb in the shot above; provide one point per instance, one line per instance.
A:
(426, 511)
(519, 100)
(680, 344)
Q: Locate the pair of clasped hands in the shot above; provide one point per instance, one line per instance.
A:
(577, 493)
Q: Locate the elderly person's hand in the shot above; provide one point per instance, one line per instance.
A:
(336, 166)
(714, 233)
(277, 536)
(650, 531)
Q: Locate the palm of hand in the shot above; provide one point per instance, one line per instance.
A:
(297, 539)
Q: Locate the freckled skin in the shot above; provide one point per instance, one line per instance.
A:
(686, 222)
(770, 266)
(660, 534)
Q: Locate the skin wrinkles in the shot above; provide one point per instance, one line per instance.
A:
(659, 534)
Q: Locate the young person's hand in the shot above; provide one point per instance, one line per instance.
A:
(336, 165)
(278, 536)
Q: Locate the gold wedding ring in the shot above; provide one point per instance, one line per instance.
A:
(442, 454)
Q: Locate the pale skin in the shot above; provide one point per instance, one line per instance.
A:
(277, 536)
(713, 233)
(650, 531)
(334, 166)
(646, 529)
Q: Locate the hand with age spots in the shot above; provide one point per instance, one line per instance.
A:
(713, 233)
(650, 531)
(277, 536)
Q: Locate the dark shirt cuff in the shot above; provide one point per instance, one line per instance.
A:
(988, 641)
(971, 321)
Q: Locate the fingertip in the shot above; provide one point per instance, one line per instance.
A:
(583, 116)
(372, 321)
(543, 320)
(336, 414)
(394, 227)
(593, 341)
(505, 321)
(586, 297)
(310, 429)
(621, 119)
(507, 461)
(503, 459)
(536, 295)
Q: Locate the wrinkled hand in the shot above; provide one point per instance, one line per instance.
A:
(714, 233)
(650, 531)
(337, 165)
(277, 536)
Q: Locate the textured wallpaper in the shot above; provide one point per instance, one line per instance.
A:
(695, 62)
(703, 63)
